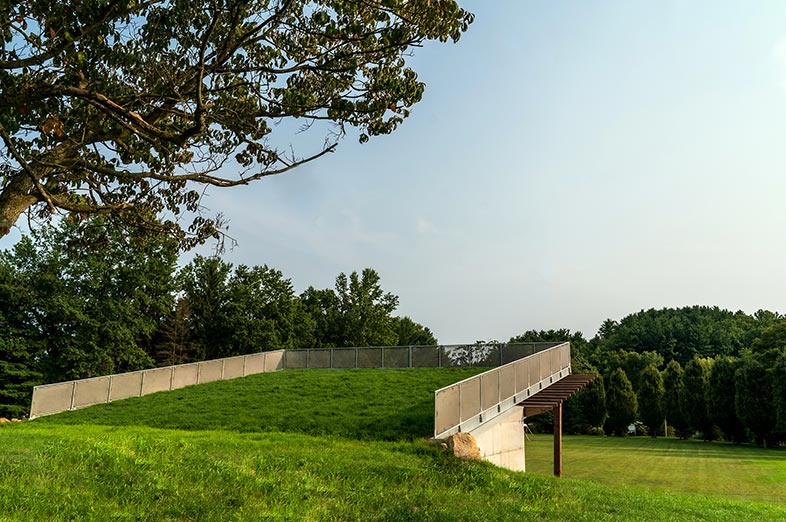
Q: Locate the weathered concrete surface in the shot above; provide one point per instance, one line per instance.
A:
(274, 361)
(234, 367)
(501, 441)
(52, 398)
(185, 375)
(125, 385)
(157, 380)
(210, 371)
(255, 363)
(91, 391)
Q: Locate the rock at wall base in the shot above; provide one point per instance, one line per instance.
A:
(464, 446)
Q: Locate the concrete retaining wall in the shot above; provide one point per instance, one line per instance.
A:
(468, 402)
(55, 398)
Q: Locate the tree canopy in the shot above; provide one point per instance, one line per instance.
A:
(131, 108)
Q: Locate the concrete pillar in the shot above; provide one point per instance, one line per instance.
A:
(501, 441)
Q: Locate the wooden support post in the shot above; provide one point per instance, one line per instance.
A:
(558, 440)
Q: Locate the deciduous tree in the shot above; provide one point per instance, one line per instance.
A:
(130, 108)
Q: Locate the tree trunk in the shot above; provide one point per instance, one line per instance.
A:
(15, 198)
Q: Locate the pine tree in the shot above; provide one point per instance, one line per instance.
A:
(720, 399)
(694, 399)
(593, 400)
(674, 389)
(650, 398)
(621, 402)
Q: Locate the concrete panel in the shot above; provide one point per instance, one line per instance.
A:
(185, 375)
(344, 357)
(446, 411)
(157, 380)
(233, 367)
(425, 357)
(255, 363)
(91, 391)
(396, 357)
(501, 441)
(296, 359)
(369, 357)
(470, 398)
(51, 398)
(125, 385)
(489, 384)
(507, 381)
(319, 358)
(274, 360)
(210, 371)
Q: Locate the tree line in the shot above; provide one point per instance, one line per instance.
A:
(81, 300)
(691, 372)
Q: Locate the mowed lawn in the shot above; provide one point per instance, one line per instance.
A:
(683, 466)
(346, 445)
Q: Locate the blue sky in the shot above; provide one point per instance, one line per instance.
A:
(570, 162)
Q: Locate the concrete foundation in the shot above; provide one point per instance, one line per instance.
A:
(501, 441)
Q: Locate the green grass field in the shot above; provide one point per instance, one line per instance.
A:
(686, 466)
(331, 445)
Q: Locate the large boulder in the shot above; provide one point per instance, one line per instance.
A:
(464, 446)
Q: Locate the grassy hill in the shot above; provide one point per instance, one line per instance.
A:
(308, 445)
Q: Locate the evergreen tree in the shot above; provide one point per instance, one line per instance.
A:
(593, 401)
(779, 391)
(175, 343)
(650, 399)
(720, 399)
(753, 398)
(694, 398)
(621, 403)
(673, 391)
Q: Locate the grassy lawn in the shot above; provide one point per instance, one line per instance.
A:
(685, 466)
(331, 446)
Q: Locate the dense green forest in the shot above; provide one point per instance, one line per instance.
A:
(692, 371)
(79, 300)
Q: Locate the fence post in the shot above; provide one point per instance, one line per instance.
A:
(439, 356)
(383, 356)
(410, 356)
(73, 394)
(356, 357)
(331, 358)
